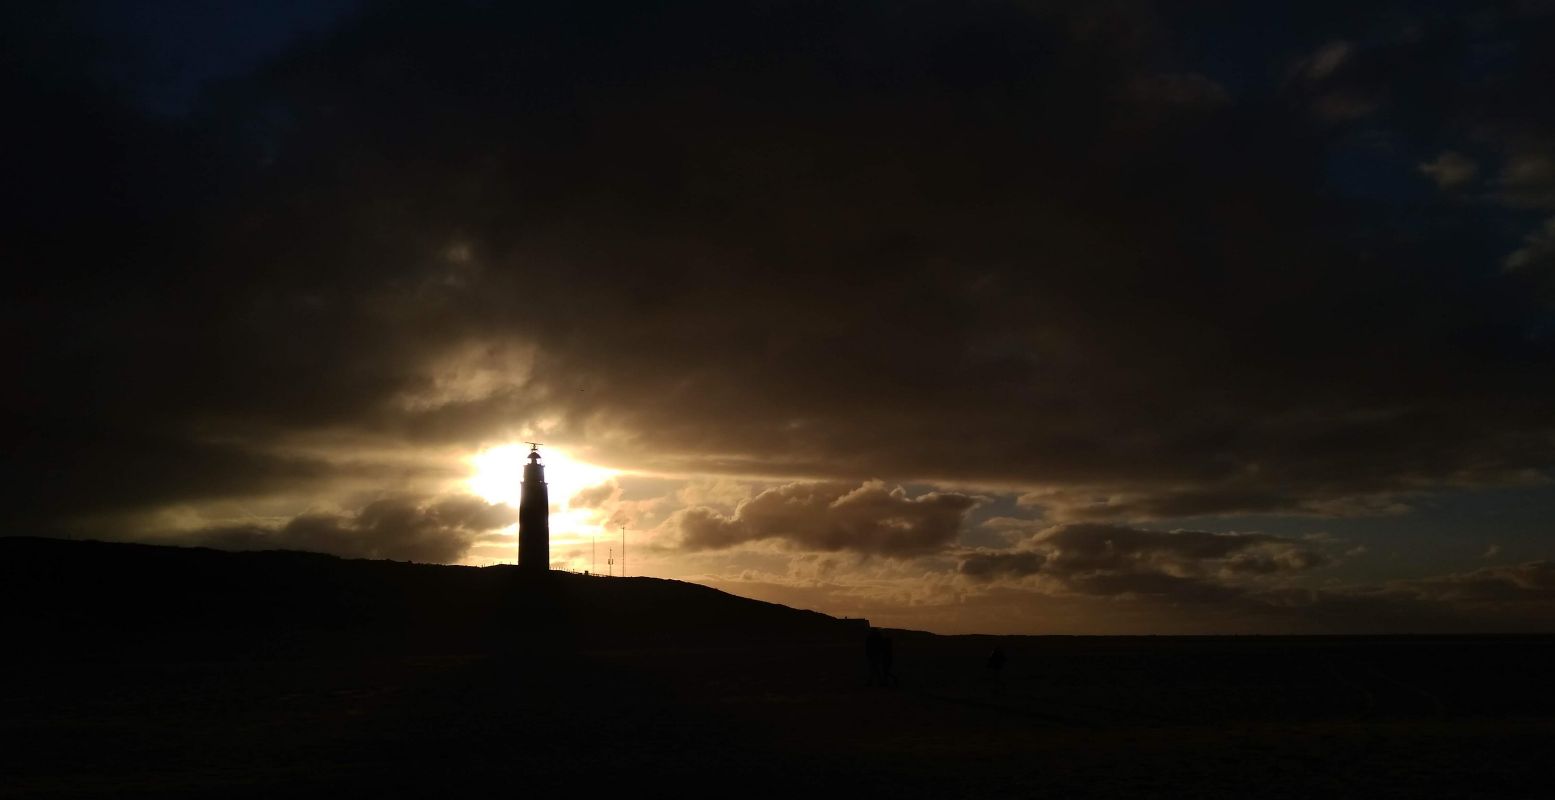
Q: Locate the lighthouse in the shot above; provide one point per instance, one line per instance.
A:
(534, 518)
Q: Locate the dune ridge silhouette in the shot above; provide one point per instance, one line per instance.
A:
(74, 596)
(152, 671)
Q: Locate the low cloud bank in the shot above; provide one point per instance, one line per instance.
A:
(826, 516)
(402, 528)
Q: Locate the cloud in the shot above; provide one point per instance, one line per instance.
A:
(1531, 584)
(1008, 245)
(1528, 179)
(1326, 60)
(1084, 548)
(1182, 90)
(868, 518)
(1112, 559)
(984, 594)
(596, 496)
(1537, 255)
(1450, 169)
(994, 565)
(1240, 493)
(1120, 580)
(437, 530)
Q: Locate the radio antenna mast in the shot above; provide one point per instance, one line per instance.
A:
(610, 563)
(623, 550)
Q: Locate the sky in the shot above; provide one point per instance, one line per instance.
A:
(1000, 317)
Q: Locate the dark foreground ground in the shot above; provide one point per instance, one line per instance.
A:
(735, 715)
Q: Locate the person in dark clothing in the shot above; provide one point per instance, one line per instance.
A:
(995, 668)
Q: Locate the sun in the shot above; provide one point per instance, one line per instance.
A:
(497, 476)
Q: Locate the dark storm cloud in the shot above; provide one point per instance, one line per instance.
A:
(993, 565)
(831, 516)
(1113, 559)
(401, 528)
(1057, 246)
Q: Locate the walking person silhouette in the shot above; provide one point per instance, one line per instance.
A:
(994, 667)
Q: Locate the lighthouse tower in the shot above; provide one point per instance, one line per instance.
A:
(534, 518)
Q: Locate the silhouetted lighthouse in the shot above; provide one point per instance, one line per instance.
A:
(534, 518)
